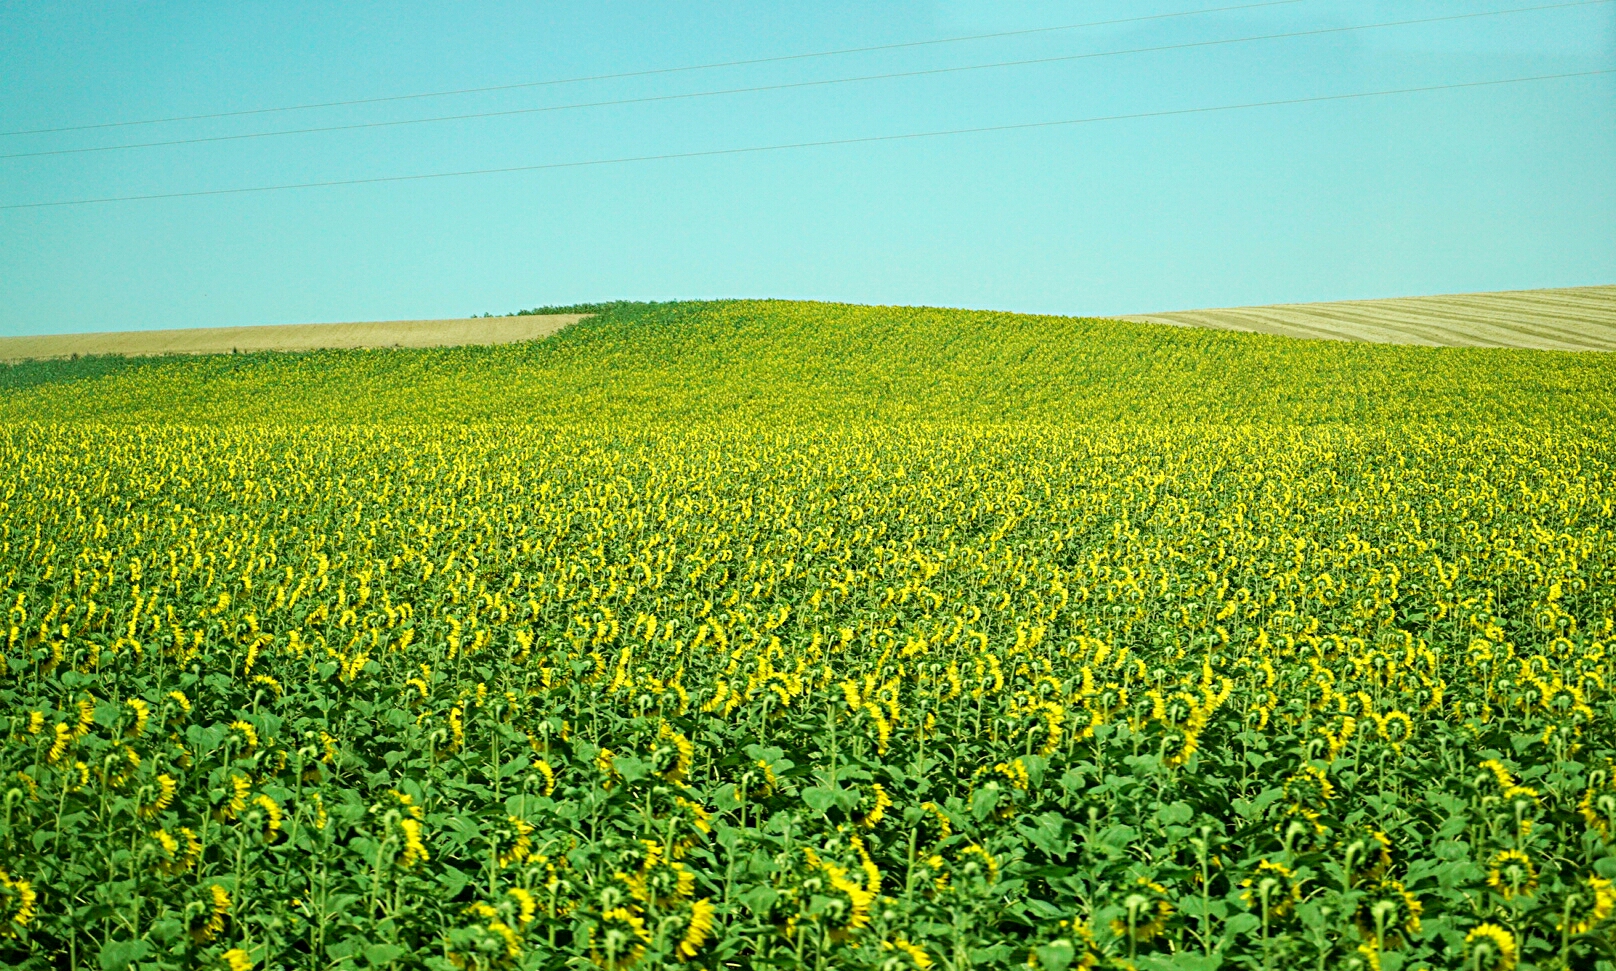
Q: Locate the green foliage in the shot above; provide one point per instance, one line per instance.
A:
(583, 308)
(20, 375)
(788, 635)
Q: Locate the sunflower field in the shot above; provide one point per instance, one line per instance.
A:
(765, 634)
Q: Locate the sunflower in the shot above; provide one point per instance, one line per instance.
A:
(1302, 829)
(1395, 727)
(1598, 805)
(698, 928)
(209, 921)
(1148, 910)
(507, 937)
(547, 773)
(1273, 887)
(988, 868)
(604, 762)
(765, 773)
(1388, 914)
(660, 879)
(1510, 872)
(1500, 774)
(141, 709)
(249, 735)
(1370, 851)
(526, 906)
(236, 804)
(500, 935)
(935, 869)
(17, 899)
(513, 840)
(695, 815)
(1490, 948)
(881, 802)
(945, 829)
(238, 960)
(850, 907)
(1523, 801)
(618, 939)
(1364, 957)
(673, 755)
(1591, 902)
(64, 737)
(1310, 788)
(915, 953)
(415, 850)
(272, 816)
(162, 799)
(172, 859)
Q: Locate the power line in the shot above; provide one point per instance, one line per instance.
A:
(655, 71)
(800, 84)
(817, 144)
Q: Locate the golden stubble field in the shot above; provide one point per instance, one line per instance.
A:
(291, 337)
(1568, 319)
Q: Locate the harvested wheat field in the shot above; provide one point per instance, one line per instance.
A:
(290, 337)
(1569, 319)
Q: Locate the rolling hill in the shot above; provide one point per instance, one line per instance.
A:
(799, 363)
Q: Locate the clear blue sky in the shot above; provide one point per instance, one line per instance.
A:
(1473, 189)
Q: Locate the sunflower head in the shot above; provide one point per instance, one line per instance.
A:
(1310, 788)
(1490, 948)
(238, 960)
(1147, 911)
(848, 909)
(1388, 914)
(1587, 905)
(490, 941)
(1598, 805)
(1510, 873)
(1493, 774)
(618, 938)
(698, 928)
(1365, 852)
(207, 917)
(912, 955)
(1301, 829)
(672, 755)
(874, 806)
(514, 840)
(1272, 888)
(659, 879)
(1395, 727)
(17, 899)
